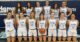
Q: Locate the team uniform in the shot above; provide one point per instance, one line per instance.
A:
(72, 31)
(56, 13)
(64, 10)
(28, 11)
(32, 27)
(47, 11)
(52, 28)
(42, 24)
(22, 31)
(62, 28)
(37, 12)
(9, 27)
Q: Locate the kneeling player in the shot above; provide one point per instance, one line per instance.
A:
(9, 28)
(72, 31)
(62, 28)
(22, 31)
(52, 28)
(32, 27)
(42, 26)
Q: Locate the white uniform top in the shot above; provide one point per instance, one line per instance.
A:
(73, 25)
(22, 23)
(9, 24)
(18, 10)
(56, 13)
(64, 10)
(62, 24)
(28, 11)
(42, 23)
(32, 24)
(47, 10)
(52, 23)
(38, 11)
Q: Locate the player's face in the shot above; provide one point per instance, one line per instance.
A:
(55, 5)
(72, 16)
(21, 15)
(42, 16)
(62, 16)
(32, 15)
(28, 4)
(38, 4)
(9, 15)
(64, 4)
(18, 4)
(47, 3)
(52, 15)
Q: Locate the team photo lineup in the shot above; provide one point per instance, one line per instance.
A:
(41, 24)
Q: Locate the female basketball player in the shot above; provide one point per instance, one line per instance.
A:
(42, 28)
(72, 30)
(38, 10)
(67, 11)
(22, 31)
(62, 28)
(52, 29)
(47, 10)
(9, 27)
(28, 9)
(32, 27)
(55, 10)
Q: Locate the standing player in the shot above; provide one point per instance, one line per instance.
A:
(62, 28)
(32, 27)
(47, 10)
(28, 9)
(52, 29)
(72, 31)
(22, 31)
(9, 27)
(55, 11)
(42, 28)
(38, 10)
(67, 11)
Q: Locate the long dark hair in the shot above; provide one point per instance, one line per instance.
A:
(54, 6)
(28, 6)
(16, 10)
(42, 13)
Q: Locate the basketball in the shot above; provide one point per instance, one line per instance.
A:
(42, 30)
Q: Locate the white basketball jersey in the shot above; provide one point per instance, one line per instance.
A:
(32, 24)
(62, 24)
(64, 10)
(73, 24)
(47, 10)
(9, 24)
(28, 11)
(21, 23)
(18, 11)
(38, 10)
(56, 13)
(42, 23)
(52, 24)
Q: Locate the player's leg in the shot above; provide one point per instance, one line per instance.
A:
(30, 35)
(35, 35)
(49, 35)
(19, 35)
(64, 35)
(25, 35)
(8, 36)
(44, 38)
(40, 36)
(69, 35)
(74, 36)
(13, 36)
(59, 35)
(54, 35)
(8, 39)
